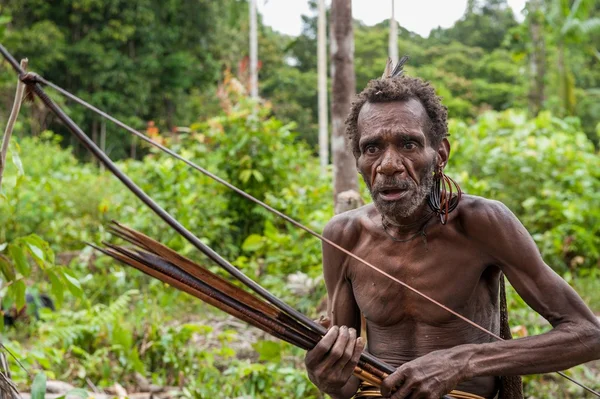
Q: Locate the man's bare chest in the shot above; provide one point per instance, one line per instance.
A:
(453, 272)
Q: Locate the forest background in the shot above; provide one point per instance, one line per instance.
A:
(524, 102)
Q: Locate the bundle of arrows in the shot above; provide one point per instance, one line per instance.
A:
(166, 265)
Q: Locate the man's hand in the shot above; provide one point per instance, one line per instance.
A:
(430, 376)
(330, 364)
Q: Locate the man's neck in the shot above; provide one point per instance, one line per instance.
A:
(403, 226)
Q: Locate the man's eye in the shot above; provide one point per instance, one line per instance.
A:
(371, 149)
(410, 146)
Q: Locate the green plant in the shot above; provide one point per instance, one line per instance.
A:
(545, 170)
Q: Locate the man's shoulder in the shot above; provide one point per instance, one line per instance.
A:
(474, 205)
(479, 213)
(345, 228)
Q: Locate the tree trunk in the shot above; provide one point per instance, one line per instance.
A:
(567, 89)
(393, 43)
(133, 149)
(253, 51)
(537, 59)
(322, 72)
(343, 89)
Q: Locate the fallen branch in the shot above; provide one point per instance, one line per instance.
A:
(8, 389)
(11, 120)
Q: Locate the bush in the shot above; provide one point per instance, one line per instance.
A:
(545, 170)
(53, 195)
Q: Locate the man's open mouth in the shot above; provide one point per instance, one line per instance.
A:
(392, 194)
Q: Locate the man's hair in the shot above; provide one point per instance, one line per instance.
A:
(401, 88)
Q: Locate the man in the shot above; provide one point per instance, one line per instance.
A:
(397, 130)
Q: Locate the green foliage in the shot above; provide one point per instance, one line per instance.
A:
(105, 344)
(483, 25)
(101, 342)
(38, 388)
(193, 199)
(292, 94)
(545, 170)
(27, 256)
(16, 267)
(265, 154)
(139, 61)
(54, 194)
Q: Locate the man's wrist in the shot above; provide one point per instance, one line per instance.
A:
(465, 357)
(338, 394)
(347, 391)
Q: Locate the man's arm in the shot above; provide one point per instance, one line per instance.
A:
(575, 338)
(331, 363)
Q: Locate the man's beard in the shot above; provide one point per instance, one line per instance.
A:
(406, 206)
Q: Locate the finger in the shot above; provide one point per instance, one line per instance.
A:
(359, 347)
(407, 388)
(325, 321)
(348, 350)
(337, 350)
(403, 392)
(391, 383)
(424, 395)
(315, 355)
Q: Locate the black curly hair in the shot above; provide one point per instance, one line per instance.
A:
(401, 88)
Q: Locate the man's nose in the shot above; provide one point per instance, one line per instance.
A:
(391, 164)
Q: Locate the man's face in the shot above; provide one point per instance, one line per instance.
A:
(396, 158)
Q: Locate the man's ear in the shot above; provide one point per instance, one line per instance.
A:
(443, 152)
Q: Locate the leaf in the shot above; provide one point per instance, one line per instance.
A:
(258, 176)
(5, 19)
(245, 175)
(82, 393)
(136, 362)
(19, 258)
(57, 287)
(38, 388)
(7, 269)
(40, 250)
(73, 284)
(17, 160)
(591, 25)
(72, 281)
(252, 243)
(18, 289)
(268, 351)
(36, 251)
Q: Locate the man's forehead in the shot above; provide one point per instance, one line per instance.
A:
(408, 116)
(394, 111)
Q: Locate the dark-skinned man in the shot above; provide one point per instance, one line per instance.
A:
(397, 129)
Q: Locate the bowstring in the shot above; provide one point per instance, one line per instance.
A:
(297, 224)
